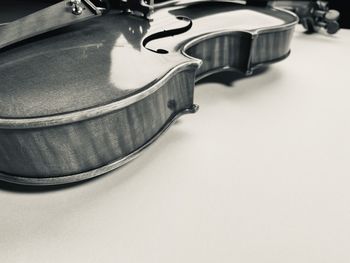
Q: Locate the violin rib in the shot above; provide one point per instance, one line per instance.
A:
(86, 99)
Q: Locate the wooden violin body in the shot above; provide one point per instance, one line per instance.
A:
(85, 99)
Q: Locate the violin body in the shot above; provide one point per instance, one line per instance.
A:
(85, 99)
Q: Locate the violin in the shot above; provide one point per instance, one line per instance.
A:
(86, 86)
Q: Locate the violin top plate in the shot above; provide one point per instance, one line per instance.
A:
(103, 60)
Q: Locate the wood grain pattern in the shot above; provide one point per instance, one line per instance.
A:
(224, 51)
(82, 146)
(70, 118)
(271, 46)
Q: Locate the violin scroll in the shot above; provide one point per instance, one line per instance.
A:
(313, 15)
(318, 15)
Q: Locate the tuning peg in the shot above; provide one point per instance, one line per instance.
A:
(328, 20)
(331, 15)
(332, 27)
(328, 16)
(315, 14)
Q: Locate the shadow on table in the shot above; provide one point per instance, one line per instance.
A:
(10, 187)
(228, 77)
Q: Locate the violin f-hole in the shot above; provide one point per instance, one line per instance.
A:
(167, 33)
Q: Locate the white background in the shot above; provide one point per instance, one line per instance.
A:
(260, 174)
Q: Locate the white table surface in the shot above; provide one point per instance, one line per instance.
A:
(260, 174)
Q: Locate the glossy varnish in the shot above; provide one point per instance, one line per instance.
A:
(77, 147)
(88, 98)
